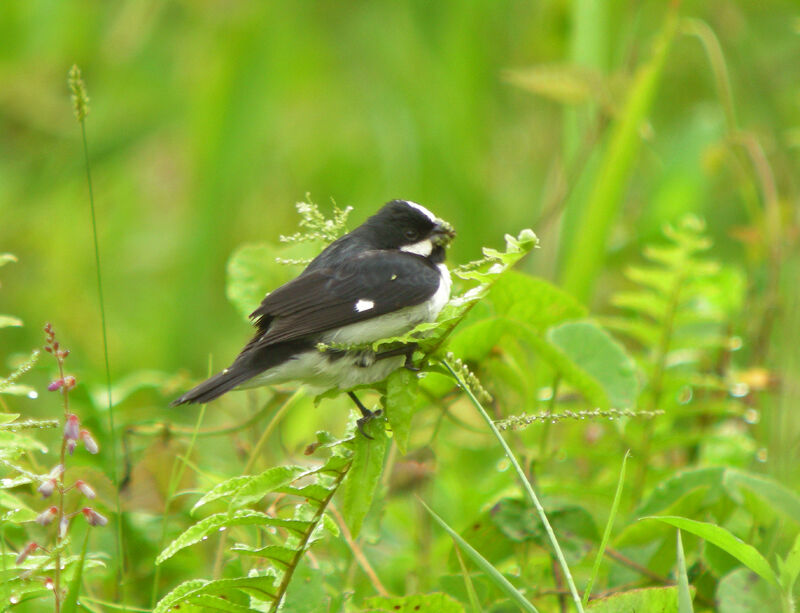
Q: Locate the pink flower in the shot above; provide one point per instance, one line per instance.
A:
(85, 488)
(63, 526)
(89, 442)
(72, 427)
(71, 444)
(29, 549)
(48, 583)
(47, 488)
(47, 516)
(93, 517)
(55, 385)
(69, 382)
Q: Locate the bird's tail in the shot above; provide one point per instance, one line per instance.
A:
(214, 387)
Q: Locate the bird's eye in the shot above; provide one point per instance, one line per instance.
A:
(411, 234)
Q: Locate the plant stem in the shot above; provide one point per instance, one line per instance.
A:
(526, 485)
(60, 479)
(112, 431)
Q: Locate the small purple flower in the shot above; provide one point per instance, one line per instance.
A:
(71, 444)
(47, 516)
(85, 488)
(47, 488)
(63, 526)
(72, 427)
(89, 442)
(93, 517)
(55, 385)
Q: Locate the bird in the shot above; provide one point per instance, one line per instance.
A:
(378, 281)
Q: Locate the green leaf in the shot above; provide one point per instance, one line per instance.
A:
(790, 567)
(259, 486)
(746, 554)
(224, 489)
(7, 321)
(672, 489)
(213, 523)
(306, 592)
(261, 587)
(436, 602)
(593, 350)
(684, 593)
(780, 497)
(651, 600)
(607, 532)
(361, 482)
(742, 591)
(282, 555)
(494, 575)
(533, 301)
(70, 604)
(401, 396)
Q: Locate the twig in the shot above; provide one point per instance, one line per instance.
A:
(358, 553)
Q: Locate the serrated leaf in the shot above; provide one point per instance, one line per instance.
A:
(261, 485)
(361, 482)
(402, 387)
(593, 350)
(263, 587)
(213, 523)
(436, 602)
(224, 489)
(207, 602)
(313, 491)
(716, 535)
(651, 600)
(283, 555)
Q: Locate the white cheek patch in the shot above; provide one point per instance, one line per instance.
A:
(422, 210)
(423, 248)
(364, 305)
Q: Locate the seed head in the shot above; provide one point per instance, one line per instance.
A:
(80, 99)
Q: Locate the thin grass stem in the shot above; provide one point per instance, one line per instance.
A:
(526, 486)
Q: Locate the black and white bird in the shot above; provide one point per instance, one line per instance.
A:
(378, 281)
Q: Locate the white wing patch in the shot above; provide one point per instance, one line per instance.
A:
(422, 210)
(364, 305)
(423, 248)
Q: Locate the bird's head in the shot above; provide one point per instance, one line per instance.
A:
(410, 227)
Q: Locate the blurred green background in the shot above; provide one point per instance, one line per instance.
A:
(209, 120)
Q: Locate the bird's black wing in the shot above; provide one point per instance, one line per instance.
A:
(327, 298)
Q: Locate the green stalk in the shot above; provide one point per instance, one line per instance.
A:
(81, 105)
(526, 486)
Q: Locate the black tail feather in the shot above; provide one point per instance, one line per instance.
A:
(213, 388)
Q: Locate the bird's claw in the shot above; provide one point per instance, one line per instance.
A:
(364, 420)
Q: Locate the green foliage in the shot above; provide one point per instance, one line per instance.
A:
(652, 600)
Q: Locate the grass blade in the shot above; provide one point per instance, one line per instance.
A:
(494, 575)
(471, 593)
(684, 594)
(607, 533)
(71, 601)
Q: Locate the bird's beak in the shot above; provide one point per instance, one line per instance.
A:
(442, 233)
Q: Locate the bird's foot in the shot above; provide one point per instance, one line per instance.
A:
(365, 419)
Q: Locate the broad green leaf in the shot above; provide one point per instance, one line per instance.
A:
(494, 575)
(474, 341)
(401, 396)
(436, 602)
(70, 604)
(594, 351)
(779, 496)
(649, 600)
(361, 482)
(306, 592)
(742, 591)
(684, 593)
(534, 301)
(213, 523)
(7, 321)
(677, 486)
(746, 554)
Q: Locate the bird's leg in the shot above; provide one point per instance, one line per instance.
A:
(366, 414)
(407, 350)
